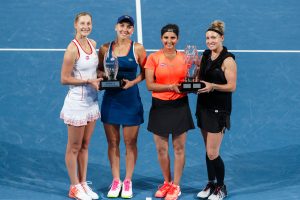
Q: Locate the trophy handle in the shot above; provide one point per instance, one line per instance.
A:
(104, 64)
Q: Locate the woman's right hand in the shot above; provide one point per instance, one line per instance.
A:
(94, 82)
(174, 88)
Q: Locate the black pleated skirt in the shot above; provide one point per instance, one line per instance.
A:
(170, 117)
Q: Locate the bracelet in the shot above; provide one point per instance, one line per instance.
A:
(212, 87)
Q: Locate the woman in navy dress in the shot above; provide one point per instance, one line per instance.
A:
(122, 108)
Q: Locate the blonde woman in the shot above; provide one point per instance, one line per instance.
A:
(122, 109)
(80, 110)
(218, 71)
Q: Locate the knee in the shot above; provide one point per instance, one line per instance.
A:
(113, 144)
(162, 151)
(74, 148)
(130, 144)
(212, 154)
(179, 150)
(84, 146)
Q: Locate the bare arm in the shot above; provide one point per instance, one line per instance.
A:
(230, 70)
(70, 57)
(153, 86)
(141, 59)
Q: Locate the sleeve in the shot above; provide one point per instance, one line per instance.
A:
(150, 63)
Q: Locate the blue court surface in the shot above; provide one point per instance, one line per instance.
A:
(261, 151)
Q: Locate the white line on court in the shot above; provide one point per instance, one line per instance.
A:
(139, 21)
(154, 50)
(244, 51)
(29, 49)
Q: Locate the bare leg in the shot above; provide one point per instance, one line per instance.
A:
(130, 140)
(83, 153)
(113, 139)
(204, 135)
(179, 152)
(75, 136)
(162, 148)
(213, 144)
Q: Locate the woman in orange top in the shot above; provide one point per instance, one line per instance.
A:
(170, 112)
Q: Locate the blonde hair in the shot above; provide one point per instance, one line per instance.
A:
(217, 26)
(79, 15)
(82, 14)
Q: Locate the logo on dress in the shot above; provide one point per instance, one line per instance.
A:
(163, 64)
(87, 57)
(112, 59)
(130, 59)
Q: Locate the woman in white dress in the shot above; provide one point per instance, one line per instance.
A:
(80, 110)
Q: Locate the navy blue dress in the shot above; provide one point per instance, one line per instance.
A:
(123, 106)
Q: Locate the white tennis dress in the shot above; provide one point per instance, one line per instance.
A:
(81, 103)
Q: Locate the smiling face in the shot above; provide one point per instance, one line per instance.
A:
(83, 25)
(214, 40)
(169, 40)
(124, 30)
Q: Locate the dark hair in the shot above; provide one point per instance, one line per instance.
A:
(170, 28)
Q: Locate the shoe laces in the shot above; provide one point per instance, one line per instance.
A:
(86, 186)
(208, 186)
(173, 189)
(164, 187)
(115, 184)
(127, 184)
(77, 188)
(74, 190)
(218, 191)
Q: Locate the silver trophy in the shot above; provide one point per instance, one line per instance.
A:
(111, 68)
(191, 58)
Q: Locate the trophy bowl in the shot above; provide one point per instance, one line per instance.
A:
(111, 67)
(191, 82)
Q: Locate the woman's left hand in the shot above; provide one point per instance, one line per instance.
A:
(208, 87)
(128, 84)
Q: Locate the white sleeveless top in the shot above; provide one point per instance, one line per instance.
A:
(85, 67)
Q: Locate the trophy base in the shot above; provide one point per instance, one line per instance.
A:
(191, 86)
(111, 84)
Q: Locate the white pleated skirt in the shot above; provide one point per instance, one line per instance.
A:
(79, 112)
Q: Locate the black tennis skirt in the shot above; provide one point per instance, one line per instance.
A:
(170, 117)
(213, 121)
